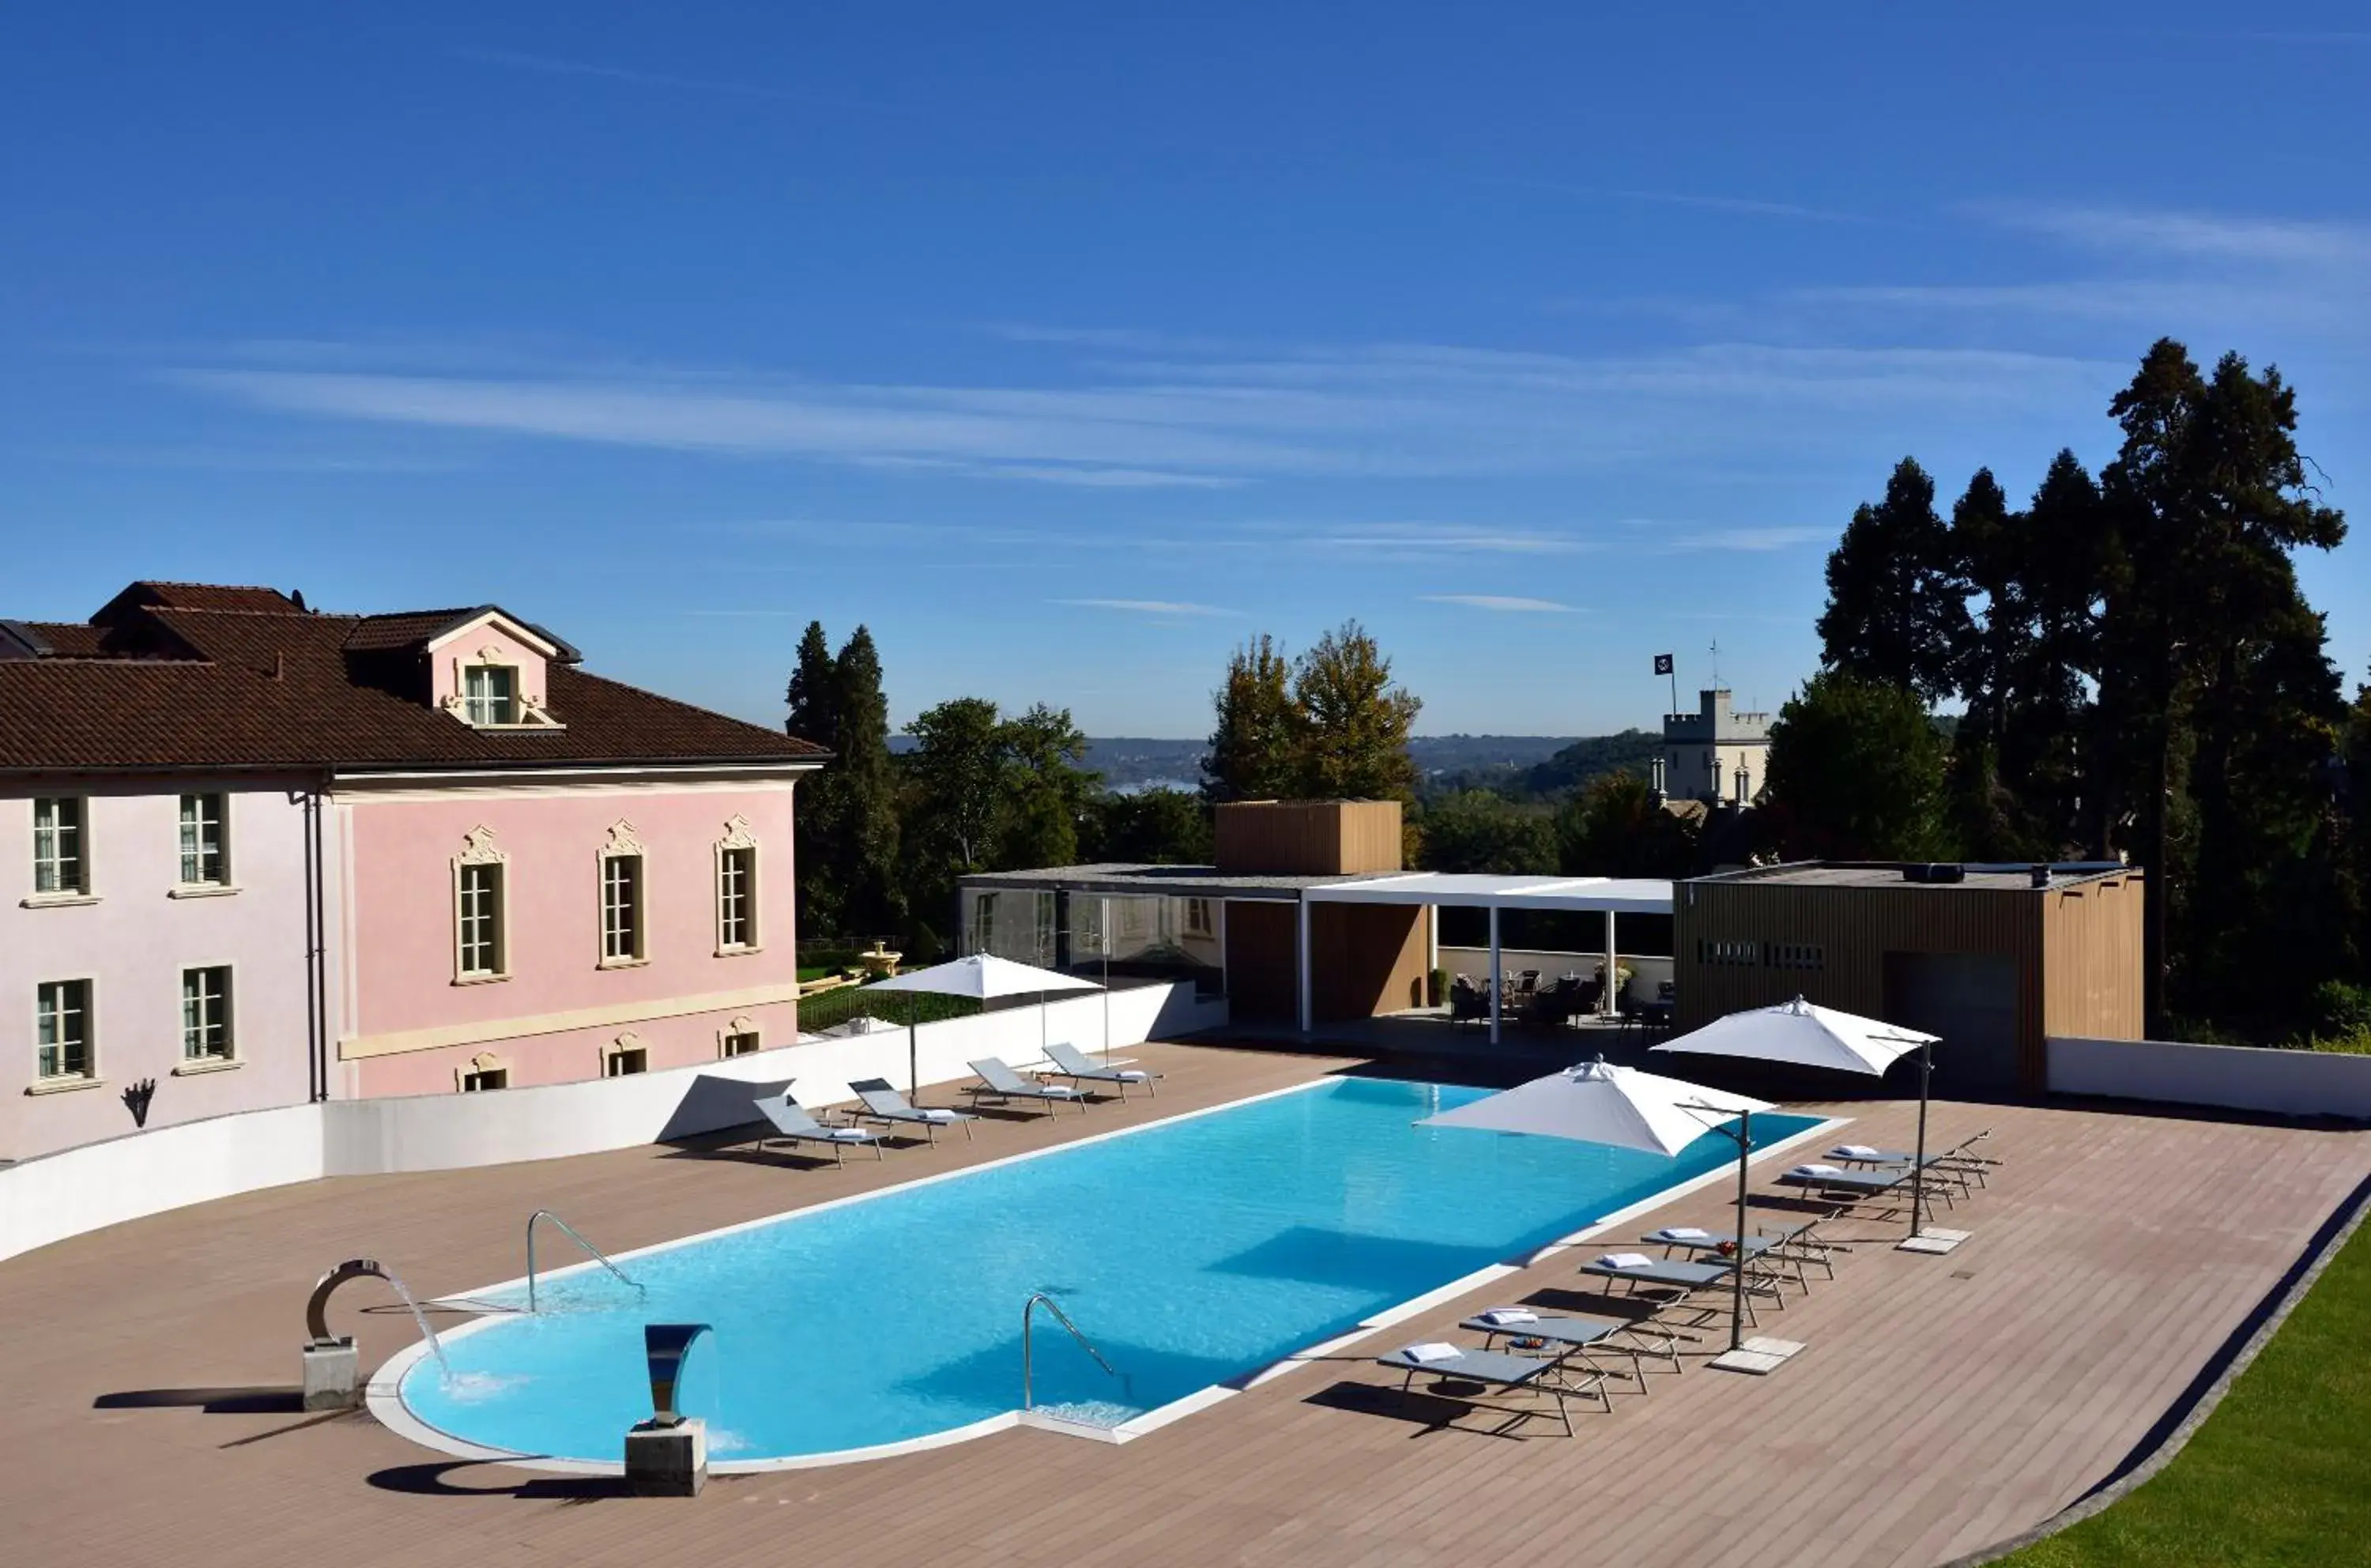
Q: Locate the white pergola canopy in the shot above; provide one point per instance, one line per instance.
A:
(1607, 896)
(1624, 895)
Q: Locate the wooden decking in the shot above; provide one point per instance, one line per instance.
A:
(1942, 1402)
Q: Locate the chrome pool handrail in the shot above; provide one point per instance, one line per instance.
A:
(598, 1255)
(1028, 1315)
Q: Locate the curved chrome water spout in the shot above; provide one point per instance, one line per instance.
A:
(1028, 1315)
(596, 1253)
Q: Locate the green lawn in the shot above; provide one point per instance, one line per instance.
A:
(2280, 1472)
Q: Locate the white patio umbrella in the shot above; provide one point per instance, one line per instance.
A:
(1805, 1035)
(1600, 1104)
(980, 977)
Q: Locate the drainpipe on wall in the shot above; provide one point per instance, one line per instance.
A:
(316, 994)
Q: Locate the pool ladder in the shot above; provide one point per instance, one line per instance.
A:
(1028, 1317)
(596, 1253)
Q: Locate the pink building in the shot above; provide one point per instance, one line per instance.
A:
(251, 854)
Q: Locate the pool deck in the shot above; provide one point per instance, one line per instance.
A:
(1942, 1402)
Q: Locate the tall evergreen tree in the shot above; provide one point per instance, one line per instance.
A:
(814, 698)
(1253, 750)
(2213, 670)
(1896, 611)
(1354, 721)
(865, 797)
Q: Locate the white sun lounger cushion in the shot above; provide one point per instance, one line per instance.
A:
(1500, 1317)
(1432, 1350)
(1687, 1233)
(1815, 1170)
(1626, 1261)
(1855, 1151)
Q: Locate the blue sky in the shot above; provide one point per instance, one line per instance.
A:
(1067, 346)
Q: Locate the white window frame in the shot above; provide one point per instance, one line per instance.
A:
(739, 841)
(477, 710)
(226, 1005)
(479, 851)
(192, 844)
(53, 864)
(88, 1078)
(623, 843)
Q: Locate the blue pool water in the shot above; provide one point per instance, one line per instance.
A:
(1191, 1253)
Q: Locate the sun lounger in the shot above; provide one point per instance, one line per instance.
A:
(1681, 1280)
(1888, 1190)
(1767, 1253)
(1580, 1336)
(1072, 1063)
(891, 1109)
(795, 1126)
(1497, 1372)
(1961, 1166)
(999, 1082)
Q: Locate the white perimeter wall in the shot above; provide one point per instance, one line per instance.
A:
(84, 1189)
(2234, 1077)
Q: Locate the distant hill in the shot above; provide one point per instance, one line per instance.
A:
(1516, 765)
(1632, 751)
(1130, 763)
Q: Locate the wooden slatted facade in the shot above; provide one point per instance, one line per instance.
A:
(1310, 838)
(2065, 959)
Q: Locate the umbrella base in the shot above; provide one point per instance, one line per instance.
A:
(1933, 1240)
(1760, 1355)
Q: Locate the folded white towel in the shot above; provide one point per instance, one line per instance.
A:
(1815, 1170)
(1626, 1261)
(939, 1114)
(849, 1135)
(1432, 1350)
(1687, 1233)
(1500, 1317)
(1855, 1151)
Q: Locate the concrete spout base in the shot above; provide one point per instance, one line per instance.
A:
(333, 1378)
(666, 1461)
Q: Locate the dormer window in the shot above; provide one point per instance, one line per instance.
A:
(490, 694)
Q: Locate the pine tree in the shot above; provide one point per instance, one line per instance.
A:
(1897, 611)
(2213, 676)
(865, 797)
(1253, 754)
(814, 695)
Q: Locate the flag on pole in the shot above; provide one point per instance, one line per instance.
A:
(1662, 664)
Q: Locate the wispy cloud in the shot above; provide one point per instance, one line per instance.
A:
(1743, 206)
(1176, 420)
(1147, 606)
(1506, 603)
(2204, 235)
(1749, 540)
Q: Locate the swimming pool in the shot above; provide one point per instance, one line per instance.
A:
(1192, 1251)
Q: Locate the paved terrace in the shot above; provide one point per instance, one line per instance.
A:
(1943, 1403)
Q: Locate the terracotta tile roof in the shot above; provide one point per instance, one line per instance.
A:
(166, 686)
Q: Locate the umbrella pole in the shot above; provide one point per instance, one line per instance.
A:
(913, 1052)
(1737, 1297)
(1918, 1161)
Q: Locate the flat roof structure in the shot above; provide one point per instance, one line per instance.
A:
(1122, 880)
(1607, 895)
(2002, 876)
